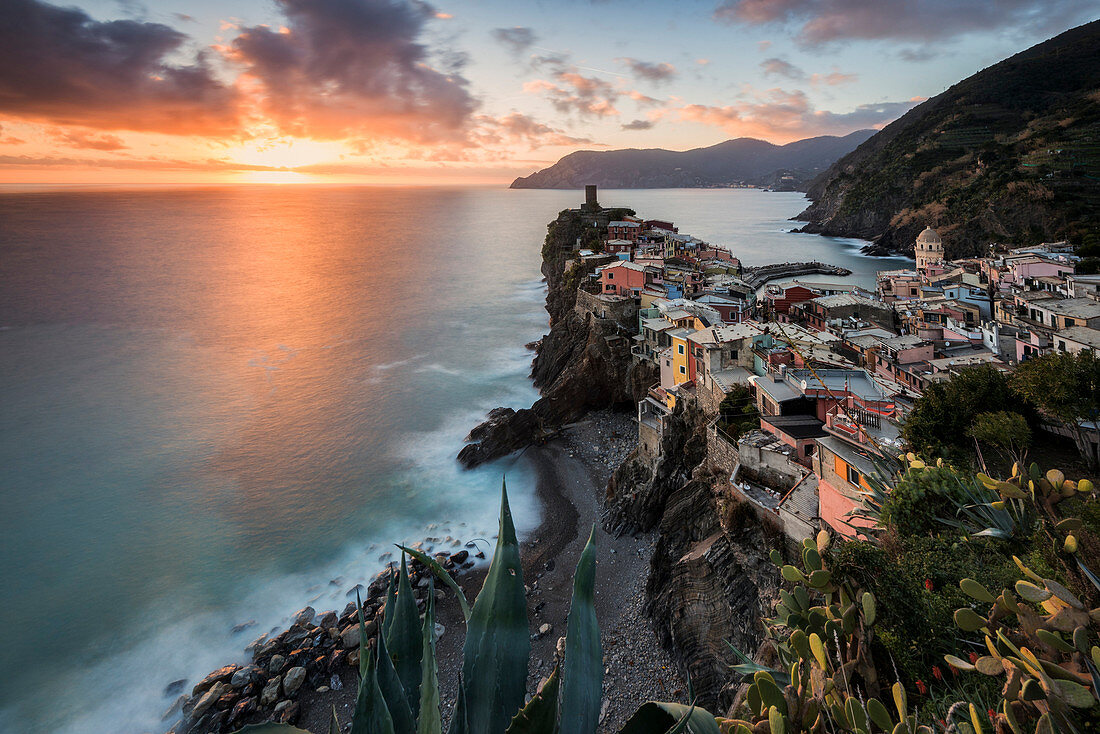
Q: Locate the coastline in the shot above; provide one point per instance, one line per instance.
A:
(572, 473)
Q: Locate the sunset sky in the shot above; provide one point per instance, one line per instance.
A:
(457, 91)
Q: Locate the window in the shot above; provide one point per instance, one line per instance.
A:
(809, 449)
(611, 276)
(683, 370)
(679, 348)
(853, 475)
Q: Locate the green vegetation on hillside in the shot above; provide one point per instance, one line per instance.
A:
(1011, 155)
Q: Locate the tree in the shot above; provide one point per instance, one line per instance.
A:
(1067, 387)
(1005, 431)
(942, 417)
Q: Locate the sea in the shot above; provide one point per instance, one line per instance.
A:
(219, 405)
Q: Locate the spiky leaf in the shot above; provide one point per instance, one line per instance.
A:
(442, 575)
(371, 715)
(494, 657)
(539, 716)
(582, 677)
(430, 720)
(389, 682)
(403, 639)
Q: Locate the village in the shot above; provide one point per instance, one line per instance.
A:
(827, 371)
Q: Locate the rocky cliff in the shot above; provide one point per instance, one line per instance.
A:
(711, 583)
(584, 362)
(1006, 155)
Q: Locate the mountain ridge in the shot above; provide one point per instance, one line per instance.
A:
(735, 161)
(1009, 154)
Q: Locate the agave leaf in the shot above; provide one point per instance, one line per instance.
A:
(582, 677)
(459, 721)
(334, 723)
(403, 639)
(389, 682)
(391, 603)
(748, 667)
(442, 575)
(371, 715)
(539, 716)
(494, 657)
(657, 718)
(430, 721)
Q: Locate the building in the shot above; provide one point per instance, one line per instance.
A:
(825, 311)
(624, 230)
(1077, 339)
(928, 250)
(622, 279)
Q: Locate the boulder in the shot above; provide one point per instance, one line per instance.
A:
(175, 687)
(276, 664)
(241, 709)
(208, 699)
(174, 709)
(349, 636)
(304, 616)
(327, 620)
(244, 676)
(460, 556)
(218, 676)
(286, 712)
(293, 680)
(270, 692)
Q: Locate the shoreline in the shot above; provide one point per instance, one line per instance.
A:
(571, 477)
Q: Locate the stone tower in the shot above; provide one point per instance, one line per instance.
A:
(590, 203)
(928, 249)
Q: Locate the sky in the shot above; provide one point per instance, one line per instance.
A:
(463, 91)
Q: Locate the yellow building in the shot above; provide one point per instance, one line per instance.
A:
(681, 354)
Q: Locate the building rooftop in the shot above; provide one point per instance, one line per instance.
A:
(856, 382)
(626, 264)
(1083, 335)
(621, 223)
(796, 426)
(848, 299)
(906, 341)
(1085, 308)
(780, 391)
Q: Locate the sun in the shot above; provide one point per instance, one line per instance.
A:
(286, 153)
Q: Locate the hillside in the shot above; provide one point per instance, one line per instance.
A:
(1010, 154)
(742, 160)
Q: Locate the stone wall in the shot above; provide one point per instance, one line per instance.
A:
(615, 308)
(769, 468)
(709, 398)
(721, 454)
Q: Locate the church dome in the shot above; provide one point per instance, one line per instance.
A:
(929, 237)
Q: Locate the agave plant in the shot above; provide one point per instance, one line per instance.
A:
(398, 675)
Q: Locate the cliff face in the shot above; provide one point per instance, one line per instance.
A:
(710, 582)
(742, 160)
(584, 363)
(1006, 155)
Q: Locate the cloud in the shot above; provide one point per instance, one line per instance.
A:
(657, 73)
(833, 79)
(58, 64)
(208, 164)
(78, 139)
(820, 22)
(575, 93)
(780, 116)
(917, 54)
(638, 125)
(779, 67)
(517, 127)
(354, 68)
(516, 39)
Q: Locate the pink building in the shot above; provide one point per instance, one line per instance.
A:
(622, 279)
(1037, 267)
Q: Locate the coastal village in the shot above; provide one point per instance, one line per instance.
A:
(832, 369)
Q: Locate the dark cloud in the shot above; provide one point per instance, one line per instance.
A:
(347, 68)
(780, 67)
(821, 22)
(638, 125)
(58, 64)
(661, 72)
(184, 17)
(918, 54)
(517, 40)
